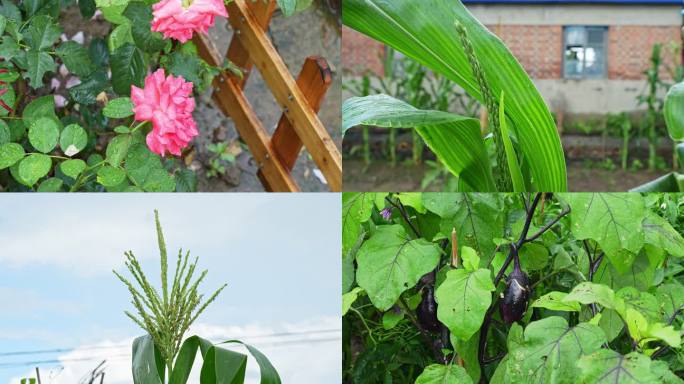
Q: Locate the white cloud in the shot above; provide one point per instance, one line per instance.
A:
(298, 358)
(88, 235)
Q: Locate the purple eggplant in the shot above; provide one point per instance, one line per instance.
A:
(513, 303)
(427, 310)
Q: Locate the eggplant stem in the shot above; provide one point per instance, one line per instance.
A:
(530, 208)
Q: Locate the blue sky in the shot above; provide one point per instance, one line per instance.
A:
(279, 254)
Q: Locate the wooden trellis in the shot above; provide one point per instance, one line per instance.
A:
(299, 125)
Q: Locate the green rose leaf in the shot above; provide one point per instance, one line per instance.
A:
(119, 108)
(37, 64)
(52, 184)
(463, 299)
(10, 97)
(128, 68)
(76, 58)
(9, 48)
(189, 66)
(110, 176)
(146, 170)
(186, 180)
(444, 374)
(41, 107)
(42, 33)
(120, 36)
(390, 262)
(43, 134)
(73, 167)
(5, 133)
(10, 153)
(34, 167)
(86, 92)
(117, 149)
(140, 16)
(73, 139)
(87, 8)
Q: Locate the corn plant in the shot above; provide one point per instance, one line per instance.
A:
(166, 317)
(446, 38)
(653, 103)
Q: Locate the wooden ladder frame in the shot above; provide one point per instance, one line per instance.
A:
(300, 100)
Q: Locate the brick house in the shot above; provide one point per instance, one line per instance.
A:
(585, 57)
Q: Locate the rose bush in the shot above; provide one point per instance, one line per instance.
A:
(128, 112)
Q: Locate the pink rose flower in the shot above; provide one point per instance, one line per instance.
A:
(178, 19)
(167, 102)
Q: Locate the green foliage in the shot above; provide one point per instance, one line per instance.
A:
(605, 293)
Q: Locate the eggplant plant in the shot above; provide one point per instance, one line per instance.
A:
(512, 288)
(447, 39)
(163, 355)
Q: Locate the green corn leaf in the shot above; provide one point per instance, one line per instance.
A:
(148, 365)
(269, 375)
(220, 365)
(513, 166)
(424, 30)
(455, 139)
(671, 182)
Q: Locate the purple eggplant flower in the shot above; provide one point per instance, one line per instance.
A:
(386, 213)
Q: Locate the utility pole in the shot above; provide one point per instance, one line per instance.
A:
(38, 375)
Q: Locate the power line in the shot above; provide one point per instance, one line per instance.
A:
(128, 355)
(95, 347)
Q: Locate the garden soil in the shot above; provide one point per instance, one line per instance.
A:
(381, 177)
(315, 31)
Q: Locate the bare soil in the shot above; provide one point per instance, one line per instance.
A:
(381, 177)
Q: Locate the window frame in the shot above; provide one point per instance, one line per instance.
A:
(604, 75)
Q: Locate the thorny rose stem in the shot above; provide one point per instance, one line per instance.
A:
(512, 254)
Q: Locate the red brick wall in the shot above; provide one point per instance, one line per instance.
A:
(539, 49)
(629, 49)
(361, 53)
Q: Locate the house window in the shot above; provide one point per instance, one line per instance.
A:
(585, 52)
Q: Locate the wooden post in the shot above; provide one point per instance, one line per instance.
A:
(314, 81)
(230, 99)
(293, 101)
(262, 11)
(299, 125)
